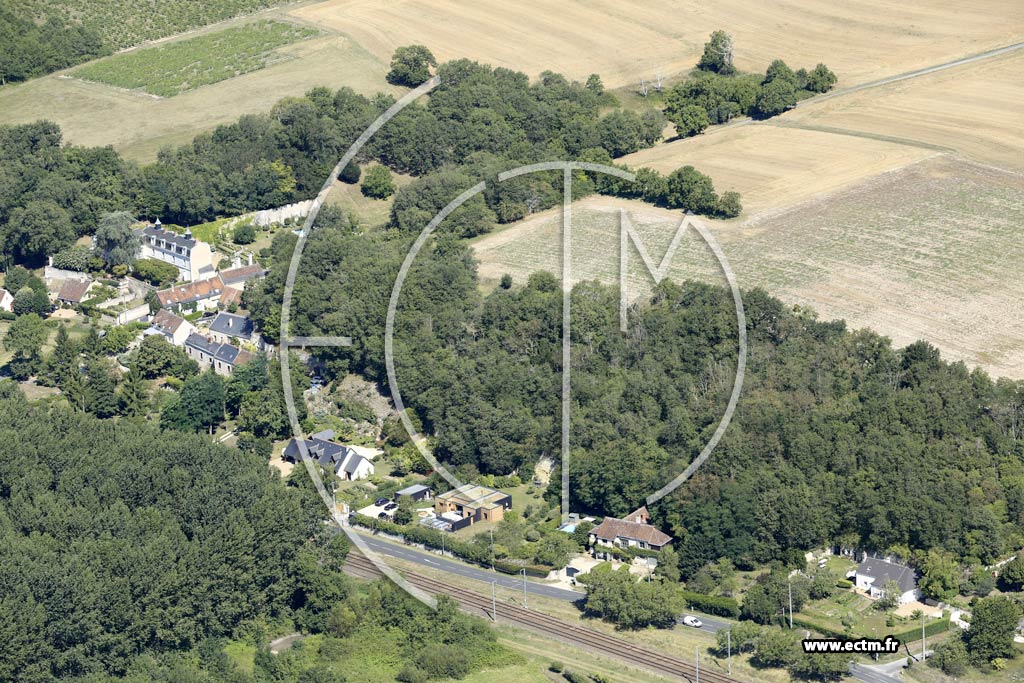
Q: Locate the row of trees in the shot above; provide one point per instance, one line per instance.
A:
(477, 117)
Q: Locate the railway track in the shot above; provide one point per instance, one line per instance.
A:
(596, 641)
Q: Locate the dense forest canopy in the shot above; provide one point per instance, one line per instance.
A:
(118, 539)
(838, 436)
(33, 48)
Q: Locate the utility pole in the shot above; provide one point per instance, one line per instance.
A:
(790, 582)
(494, 601)
(524, 586)
(728, 649)
(492, 549)
(442, 542)
(696, 654)
(922, 635)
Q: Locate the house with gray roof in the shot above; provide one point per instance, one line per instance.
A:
(192, 258)
(872, 574)
(223, 358)
(330, 456)
(228, 326)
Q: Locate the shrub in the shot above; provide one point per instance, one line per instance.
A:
(76, 258)
(156, 273)
(244, 234)
(555, 667)
(350, 174)
(378, 183)
(843, 583)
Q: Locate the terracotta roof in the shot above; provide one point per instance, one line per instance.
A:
(639, 515)
(166, 321)
(611, 529)
(73, 290)
(230, 296)
(193, 291)
(242, 273)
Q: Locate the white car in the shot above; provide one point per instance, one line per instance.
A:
(693, 621)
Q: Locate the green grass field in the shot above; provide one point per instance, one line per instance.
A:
(172, 69)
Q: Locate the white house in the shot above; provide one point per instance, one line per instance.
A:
(6, 301)
(341, 459)
(175, 328)
(872, 574)
(192, 258)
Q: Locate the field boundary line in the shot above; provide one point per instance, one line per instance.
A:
(969, 59)
(861, 134)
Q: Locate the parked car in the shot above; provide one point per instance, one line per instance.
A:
(693, 621)
(391, 506)
(383, 515)
(380, 501)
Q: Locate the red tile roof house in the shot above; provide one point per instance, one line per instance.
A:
(625, 534)
(199, 295)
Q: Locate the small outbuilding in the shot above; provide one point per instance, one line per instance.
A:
(417, 492)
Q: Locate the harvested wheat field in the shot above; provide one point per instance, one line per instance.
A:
(138, 125)
(975, 109)
(931, 251)
(774, 166)
(861, 40)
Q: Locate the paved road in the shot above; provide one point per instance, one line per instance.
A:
(433, 560)
(710, 624)
(871, 675)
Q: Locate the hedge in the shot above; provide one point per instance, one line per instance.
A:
(537, 570)
(826, 631)
(432, 538)
(712, 604)
(843, 583)
(907, 635)
(931, 629)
